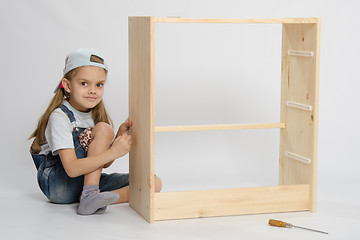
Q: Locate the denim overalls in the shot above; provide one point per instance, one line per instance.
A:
(53, 180)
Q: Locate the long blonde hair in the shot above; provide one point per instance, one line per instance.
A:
(99, 113)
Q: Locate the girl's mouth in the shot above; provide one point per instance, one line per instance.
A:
(91, 98)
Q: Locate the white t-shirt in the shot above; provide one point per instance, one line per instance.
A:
(58, 132)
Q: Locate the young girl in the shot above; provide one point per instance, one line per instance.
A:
(74, 140)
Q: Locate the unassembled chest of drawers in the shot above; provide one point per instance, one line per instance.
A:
(298, 129)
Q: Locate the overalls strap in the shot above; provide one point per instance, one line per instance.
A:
(70, 115)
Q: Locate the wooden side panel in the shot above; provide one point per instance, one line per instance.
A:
(300, 84)
(141, 107)
(226, 202)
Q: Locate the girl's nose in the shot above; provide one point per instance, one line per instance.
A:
(92, 90)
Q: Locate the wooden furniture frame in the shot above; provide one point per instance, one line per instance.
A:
(298, 129)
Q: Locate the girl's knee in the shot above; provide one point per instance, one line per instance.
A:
(102, 129)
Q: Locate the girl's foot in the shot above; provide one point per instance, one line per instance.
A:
(92, 200)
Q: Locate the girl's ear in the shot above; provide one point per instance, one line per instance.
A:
(66, 84)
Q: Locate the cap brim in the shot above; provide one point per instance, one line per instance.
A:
(58, 87)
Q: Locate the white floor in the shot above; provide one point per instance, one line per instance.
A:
(28, 215)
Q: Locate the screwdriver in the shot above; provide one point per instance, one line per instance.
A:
(278, 223)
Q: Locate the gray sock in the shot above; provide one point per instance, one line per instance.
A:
(100, 210)
(92, 200)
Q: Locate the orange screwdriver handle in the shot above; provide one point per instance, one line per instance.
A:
(277, 223)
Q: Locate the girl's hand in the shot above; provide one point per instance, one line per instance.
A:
(124, 128)
(121, 145)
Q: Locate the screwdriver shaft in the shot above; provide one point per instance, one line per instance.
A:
(310, 229)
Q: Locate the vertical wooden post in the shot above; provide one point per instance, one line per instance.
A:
(300, 86)
(141, 113)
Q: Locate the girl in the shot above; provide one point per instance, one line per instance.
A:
(74, 140)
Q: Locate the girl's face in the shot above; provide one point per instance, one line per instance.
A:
(86, 88)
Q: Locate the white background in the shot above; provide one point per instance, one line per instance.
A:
(205, 74)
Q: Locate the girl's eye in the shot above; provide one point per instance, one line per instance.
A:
(84, 83)
(100, 84)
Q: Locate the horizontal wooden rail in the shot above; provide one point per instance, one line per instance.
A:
(234, 20)
(226, 202)
(218, 127)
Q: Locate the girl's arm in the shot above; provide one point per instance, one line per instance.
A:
(75, 167)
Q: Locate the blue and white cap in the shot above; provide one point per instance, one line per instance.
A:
(80, 58)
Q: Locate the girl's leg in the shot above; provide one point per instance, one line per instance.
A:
(102, 135)
(124, 192)
(91, 199)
